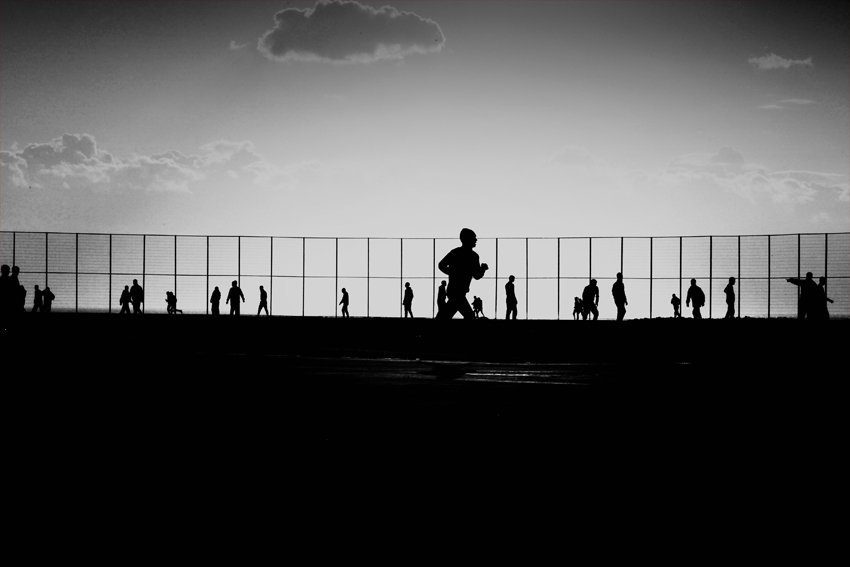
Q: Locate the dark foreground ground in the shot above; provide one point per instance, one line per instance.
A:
(722, 430)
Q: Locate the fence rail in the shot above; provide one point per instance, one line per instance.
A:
(304, 275)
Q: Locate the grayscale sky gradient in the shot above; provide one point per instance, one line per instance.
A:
(550, 118)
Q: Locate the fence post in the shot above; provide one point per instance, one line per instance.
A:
(768, 276)
(336, 274)
(175, 265)
(110, 275)
(739, 277)
(144, 267)
(680, 272)
(271, 274)
(368, 279)
(47, 256)
(303, 274)
(496, 277)
(589, 259)
(558, 279)
(434, 280)
(14, 242)
(400, 275)
(799, 313)
(239, 260)
(710, 272)
(650, 277)
(621, 255)
(206, 300)
(77, 270)
(825, 262)
(527, 279)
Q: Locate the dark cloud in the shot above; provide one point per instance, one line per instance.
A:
(349, 32)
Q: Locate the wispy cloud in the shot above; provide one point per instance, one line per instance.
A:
(771, 106)
(774, 61)
(796, 101)
(237, 46)
(345, 32)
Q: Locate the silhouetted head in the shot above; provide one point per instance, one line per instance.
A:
(822, 280)
(619, 276)
(233, 283)
(674, 295)
(36, 287)
(135, 282)
(15, 270)
(46, 288)
(809, 275)
(4, 269)
(468, 238)
(732, 280)
(216, 288)
(261, 287)
(126, 288)
(406, 284)
(511, 279)
(443, 282)
(343, 290)
(693, 282)
(592, 282)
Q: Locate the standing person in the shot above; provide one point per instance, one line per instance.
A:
(676, 303)
(171, 304)
(233, 297)
(47, 297)
(408, 300)
(730, 299)
(821, 312)
(215, 299)
(37, 300)
(263, 298)
(696, 295)
(461, 265)
(20, 291)
(618, 290)
(808, 295)
(590, 301)
(510, 300)
(137, 296)
(7, 291)
(441, 297)
(344, 303)
(577, 308)
(124, 301)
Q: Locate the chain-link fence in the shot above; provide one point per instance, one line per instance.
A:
(305, 275)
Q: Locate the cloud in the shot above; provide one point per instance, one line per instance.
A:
(236, 46)
(774, 61)
(340, 31)
(771, 106)
(574, 156)
(728, 170)
(796, 101)
(74, 162)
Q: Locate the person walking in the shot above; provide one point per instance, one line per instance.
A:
(695, 295)
(37, 301)
(408, 300)
(137, 297)
(590, 301)
(461, 265)
(215, 300)
(124, 301)
(47, 298)
(730, 299)
(344, 303)
(263, 299)
(676, 303)
(233, 297)
(806, 304)
(510, 300)
(441, 297)
(618, 290)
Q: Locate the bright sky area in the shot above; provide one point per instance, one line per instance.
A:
(415, 119)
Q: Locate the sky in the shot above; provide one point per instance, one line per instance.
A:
(415, 119)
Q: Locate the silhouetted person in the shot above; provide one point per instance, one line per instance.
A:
(124, 301)
(441, 297)
(808, 295)
(461, 265)
(821, 311)
(137, 296)
(171, 304)
(729, 290)
(344, 303)
(676, 303)
(618, 290)
(510, 300)
(37, 303)
(408, 300)
(477, 307)
(263, 305)
(20, 291)
(7, 291)
(696, 296)
(47, 297)
(577, 308)
(590, 301)
(215, 299)
(233, 297)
